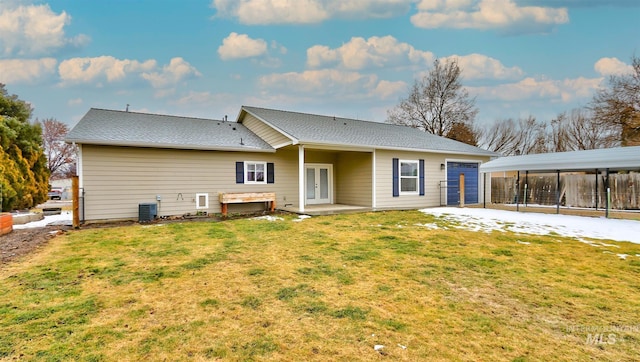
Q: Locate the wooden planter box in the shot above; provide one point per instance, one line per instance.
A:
(244, 197)
(6, 223)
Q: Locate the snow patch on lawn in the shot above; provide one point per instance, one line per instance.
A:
(268, 218)
(301, 217)
(578, 227)
(65, 218)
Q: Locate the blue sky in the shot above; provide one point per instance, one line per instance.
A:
(350, 58)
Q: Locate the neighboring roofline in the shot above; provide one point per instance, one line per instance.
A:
(166, 145)
(294, 140)
(616, 159)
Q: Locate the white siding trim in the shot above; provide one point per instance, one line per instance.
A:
(373, 180)
(79, 167)
(301, 171)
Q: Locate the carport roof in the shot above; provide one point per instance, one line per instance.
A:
(614, 159)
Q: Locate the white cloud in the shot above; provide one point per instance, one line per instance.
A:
(360, 53)
(331, 82)
(488, 14)
(75, 102)
(612, 66)
(35, 30)
(176, 71)
(368, 8)
(201, 104)
(386, 89)
(564, 91)
(14, 71)
(478, 66)
(388, 52)
(100, 69)
(256, 12)
(237, 46)
(262, 12)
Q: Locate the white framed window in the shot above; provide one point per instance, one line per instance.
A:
(202, 201)
(409, 171)
(255, 172)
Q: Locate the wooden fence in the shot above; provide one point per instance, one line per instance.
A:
(576, 190)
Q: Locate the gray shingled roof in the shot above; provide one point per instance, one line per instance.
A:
(621, 158)
(329, 130)
(118, 128)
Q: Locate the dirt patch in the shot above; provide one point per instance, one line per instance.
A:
(23, 241)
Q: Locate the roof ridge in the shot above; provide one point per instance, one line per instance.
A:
(335, 117)
(162, 115)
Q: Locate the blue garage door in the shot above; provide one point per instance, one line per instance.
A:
(470, 171)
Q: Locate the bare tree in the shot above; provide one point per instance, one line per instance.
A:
(619, 104)
(60, 155)
(532, 136)
(580, 130)
(501, 137)
(436, 102)
(514, 137)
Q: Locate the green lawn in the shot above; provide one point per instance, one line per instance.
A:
(325, 288)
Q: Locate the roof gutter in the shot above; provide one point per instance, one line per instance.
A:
(370, 148)
(168, 146)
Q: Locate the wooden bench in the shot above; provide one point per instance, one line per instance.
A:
(245, 197)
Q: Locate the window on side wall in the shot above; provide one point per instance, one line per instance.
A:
(409, 171)
(255, 172)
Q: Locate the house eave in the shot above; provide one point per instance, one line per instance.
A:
(371, 148)
(168, 146)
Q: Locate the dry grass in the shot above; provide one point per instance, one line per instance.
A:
(326, 288)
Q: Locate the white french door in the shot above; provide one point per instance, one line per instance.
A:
(318, 181)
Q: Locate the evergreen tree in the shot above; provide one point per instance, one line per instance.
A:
(23, 166)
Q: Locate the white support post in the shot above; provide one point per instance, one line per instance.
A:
(373, 180)
(301, 171)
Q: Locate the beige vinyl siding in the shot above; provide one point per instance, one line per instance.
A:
(432, 173)
(320, 156)
(353, 178)
(267, 133)
(117, 179)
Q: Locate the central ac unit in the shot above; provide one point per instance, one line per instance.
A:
(147, 212)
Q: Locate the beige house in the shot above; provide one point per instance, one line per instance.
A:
(311, 162)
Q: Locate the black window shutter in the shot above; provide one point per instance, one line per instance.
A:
(421, 176)
(270, 173)
(396, 177)
(239, 172)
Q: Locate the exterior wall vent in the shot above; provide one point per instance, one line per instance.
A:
(147, 212)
